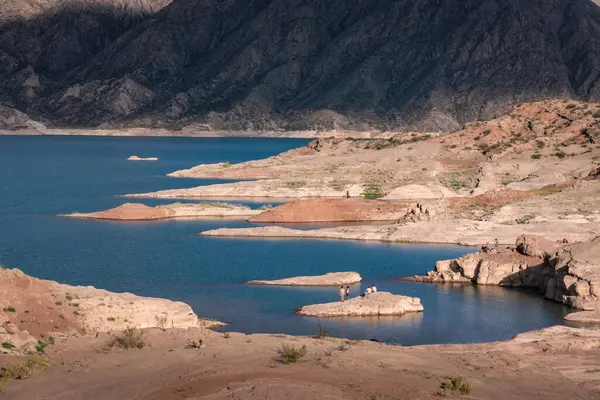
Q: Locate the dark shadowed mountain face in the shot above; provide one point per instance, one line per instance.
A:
(296, 64)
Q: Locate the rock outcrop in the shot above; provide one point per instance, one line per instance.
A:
(380, 303)
(329, 279)
(568, 274)
(142, 212)
(34, 308)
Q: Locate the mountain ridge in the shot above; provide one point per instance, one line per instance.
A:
(292, 64)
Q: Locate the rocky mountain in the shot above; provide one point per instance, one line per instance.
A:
(293, 64)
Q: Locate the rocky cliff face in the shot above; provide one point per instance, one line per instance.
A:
(294, 64)
(568, 274)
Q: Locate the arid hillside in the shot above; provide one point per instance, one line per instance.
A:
(270, 65)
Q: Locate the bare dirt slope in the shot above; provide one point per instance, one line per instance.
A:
(556, 364)
(333, 210)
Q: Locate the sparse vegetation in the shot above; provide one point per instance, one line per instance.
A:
(525, 219)
(456, 180)
(336, 185)
(161, 321)
(560, 154)
(596, 115)
(9, 309)
(322, 332)
(8, 345)
(288, 354)
(129, 338)
(592, 371)
(486, 132)
(76, 313)
(457, 384)
(41, 346)
(372, 191)
(22, 370)
(58, 303)
(571, 106)
(69, 297)
(61, 316)
(226, 165)
(536, 156)
(111, 319)
(540, 144)
(75, 304)
(295, 184)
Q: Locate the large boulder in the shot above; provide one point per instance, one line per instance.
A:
(577, 272)
(536, 246)
(380, 303)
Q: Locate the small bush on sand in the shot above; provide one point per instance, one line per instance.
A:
(571, 106)
(8, 346)
(372, 191)
(9, 309)
(289, 354)
(161, 322)
(322, 333)
(21, 370)
(129, 338)
(536, 156)
(457, 384)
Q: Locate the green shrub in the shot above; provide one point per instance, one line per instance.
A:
(486, 132)
(41, 346)
(536, 156)
(289, 354)
(571, 106)
(69, 297)
(372, 191)
(560, 154)
(540, 144)
(9, 309)
(8, 346)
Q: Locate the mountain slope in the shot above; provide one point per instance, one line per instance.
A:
(303, 64)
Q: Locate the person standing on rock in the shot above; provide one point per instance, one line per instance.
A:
(347, 292)
(342, 293)
(373, 289)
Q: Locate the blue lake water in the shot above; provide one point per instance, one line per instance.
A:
(44, 176)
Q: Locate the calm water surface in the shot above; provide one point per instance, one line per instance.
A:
(44, 176)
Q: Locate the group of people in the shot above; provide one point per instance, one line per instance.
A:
(345, 292)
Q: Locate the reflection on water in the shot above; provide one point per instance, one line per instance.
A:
(45, 176)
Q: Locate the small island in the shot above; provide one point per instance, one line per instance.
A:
(380, 303)
(136, 158)
(142, 212)
(329, 279)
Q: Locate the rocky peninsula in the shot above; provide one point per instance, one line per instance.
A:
(329, 279)
(535, 170)
(142, 212)
(375, 304)
(35, 309)
(563, 272)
